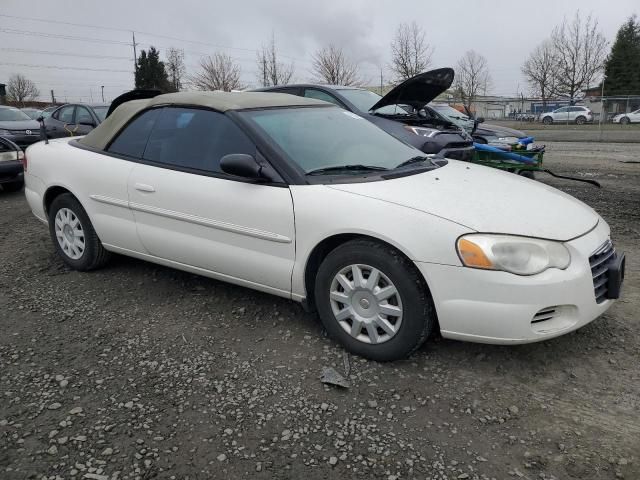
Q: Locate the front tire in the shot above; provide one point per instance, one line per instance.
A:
(625, 121)
(547, 120)
(73, 235)
(374, 301)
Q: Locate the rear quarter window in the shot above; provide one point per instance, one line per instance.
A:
(132, 140)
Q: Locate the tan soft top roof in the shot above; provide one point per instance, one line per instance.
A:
(100, 136)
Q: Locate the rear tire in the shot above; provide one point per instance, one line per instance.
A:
(386, 312)
(73, 235)
(547, 120)
(581, 120)
(13, 186)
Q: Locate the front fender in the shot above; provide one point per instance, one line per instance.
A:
(322, 212)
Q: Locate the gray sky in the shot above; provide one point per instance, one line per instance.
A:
(504, 31)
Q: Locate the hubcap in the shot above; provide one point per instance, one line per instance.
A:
(69, 233)
(366, 304)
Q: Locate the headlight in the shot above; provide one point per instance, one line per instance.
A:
(519, 255)
(422, 131)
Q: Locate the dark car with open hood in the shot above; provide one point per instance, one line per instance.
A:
(403, 112)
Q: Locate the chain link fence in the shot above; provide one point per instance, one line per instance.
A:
(598, 109)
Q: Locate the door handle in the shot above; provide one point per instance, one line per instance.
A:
(143, 187)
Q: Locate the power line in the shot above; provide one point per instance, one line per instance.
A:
(56, 67)
(48, 52)
(64, 37)
(42, 20)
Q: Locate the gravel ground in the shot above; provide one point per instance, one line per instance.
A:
(138, 371)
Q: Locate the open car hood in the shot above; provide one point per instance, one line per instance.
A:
(419, 90)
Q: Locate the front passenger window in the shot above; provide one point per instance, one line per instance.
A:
(195, 139)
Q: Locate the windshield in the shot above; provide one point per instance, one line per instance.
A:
(362, 99)
(319, 138)
(12, 115)
(101, 112)
(365, 99)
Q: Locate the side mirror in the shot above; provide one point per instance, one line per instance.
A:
(40, 118)
(480, 119)
(241, 165)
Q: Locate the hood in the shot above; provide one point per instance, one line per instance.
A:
(419, 90)
(499, 131)
(485, 200)
(20, 125)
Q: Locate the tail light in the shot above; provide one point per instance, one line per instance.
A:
(22, 156)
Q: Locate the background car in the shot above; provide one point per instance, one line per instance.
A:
(403, 112)
(575, 114)
(33, 113)
(456, 116)
(11, 168)
(74, 119)
(16, 126)
(481, 132)
(626, 118)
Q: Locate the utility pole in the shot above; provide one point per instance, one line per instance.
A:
(601, 106)
(102, 93)
(381, 86)
(53, 97)
(135, 55)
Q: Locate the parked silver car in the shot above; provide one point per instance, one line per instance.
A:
(576, 114)
(626, 118)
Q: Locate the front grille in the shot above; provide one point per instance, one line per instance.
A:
(544, 314)
(599, 263)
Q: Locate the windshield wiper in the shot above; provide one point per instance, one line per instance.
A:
(338, 168)
(418, 159)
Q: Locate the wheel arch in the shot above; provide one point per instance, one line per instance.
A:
(324, 247)
(54, 191)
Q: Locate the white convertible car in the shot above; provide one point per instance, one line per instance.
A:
(299, 198)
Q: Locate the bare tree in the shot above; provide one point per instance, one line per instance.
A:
(272, 72)
(175, 68)
(580, 49)
(218, 72)
(21, 89)
(541, 71)
(472, 77)
(410, 52)
(330, 65)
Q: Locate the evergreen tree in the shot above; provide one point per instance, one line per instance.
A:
(151, 72)
(622, 69)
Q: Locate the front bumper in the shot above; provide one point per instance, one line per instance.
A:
(11, 171)
(502, 308)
